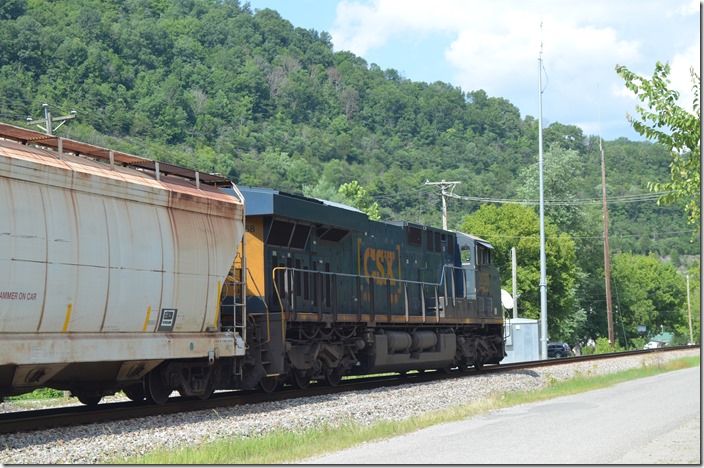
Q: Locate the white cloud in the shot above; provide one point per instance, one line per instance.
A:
(494, 45)
(680, 76)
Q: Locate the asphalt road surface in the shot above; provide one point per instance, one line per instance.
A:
(651, 420)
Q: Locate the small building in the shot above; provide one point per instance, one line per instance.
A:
(665, 337)
(522, 342)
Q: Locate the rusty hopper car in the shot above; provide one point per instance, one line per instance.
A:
(111, 269)
(332, 293)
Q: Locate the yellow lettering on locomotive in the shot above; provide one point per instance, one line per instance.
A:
(379, 264)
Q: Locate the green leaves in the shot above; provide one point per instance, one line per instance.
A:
(649, 293)
(518, 226)
(663, 120)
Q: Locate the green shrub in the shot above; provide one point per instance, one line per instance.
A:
(38, 394)
(603, 346)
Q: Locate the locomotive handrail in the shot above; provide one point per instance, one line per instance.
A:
(278, 296)
(370, 279)
(266, 306)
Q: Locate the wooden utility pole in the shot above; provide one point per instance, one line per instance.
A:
(607, 260)
(48, 120)
(444, 186)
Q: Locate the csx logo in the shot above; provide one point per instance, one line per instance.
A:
(379, 263)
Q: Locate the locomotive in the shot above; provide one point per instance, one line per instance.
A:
(118, 273)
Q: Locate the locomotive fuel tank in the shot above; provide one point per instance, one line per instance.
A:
(101, 263)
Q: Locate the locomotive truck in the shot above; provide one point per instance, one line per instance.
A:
(119, 273)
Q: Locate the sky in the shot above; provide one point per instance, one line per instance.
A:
(495, 45)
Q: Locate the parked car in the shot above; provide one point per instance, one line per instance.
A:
(655, 344)
(558, 349)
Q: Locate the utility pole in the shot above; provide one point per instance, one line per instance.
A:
(443, 187)
(48, 120)
(689, 313)
(607, 260)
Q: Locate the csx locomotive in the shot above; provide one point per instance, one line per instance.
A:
(122, 273)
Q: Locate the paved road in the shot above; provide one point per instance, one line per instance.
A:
(651, 420)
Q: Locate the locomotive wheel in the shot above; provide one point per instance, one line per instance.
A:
(478, 364)
(333, 377)
(269, 384)
(156, 391)
(135, 392)
(300, 379)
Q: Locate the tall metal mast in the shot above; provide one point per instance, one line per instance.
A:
(543, 275)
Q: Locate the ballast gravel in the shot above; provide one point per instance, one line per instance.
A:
(110, 442)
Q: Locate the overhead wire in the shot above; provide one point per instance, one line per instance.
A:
(632, 198)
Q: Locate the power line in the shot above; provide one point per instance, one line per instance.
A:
(661, 235)
(633, 198)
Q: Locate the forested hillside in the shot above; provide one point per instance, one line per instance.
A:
(218, 87)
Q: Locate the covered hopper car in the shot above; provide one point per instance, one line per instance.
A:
(122, 273)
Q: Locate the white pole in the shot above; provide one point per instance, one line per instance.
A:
(543, 275)
(689, 313)
(515, 296)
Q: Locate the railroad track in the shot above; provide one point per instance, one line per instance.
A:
(30, 420)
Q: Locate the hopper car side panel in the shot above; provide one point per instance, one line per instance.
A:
(104, 264)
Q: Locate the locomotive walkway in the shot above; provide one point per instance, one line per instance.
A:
(650, 420)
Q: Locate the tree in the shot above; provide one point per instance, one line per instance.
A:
(675, 128)
(648, 293)
(518, 226)
(357, 196)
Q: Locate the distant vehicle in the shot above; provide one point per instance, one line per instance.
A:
(558, 350)
(655, 345)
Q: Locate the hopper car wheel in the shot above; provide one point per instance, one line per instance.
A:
(478, 364)
(300, 379)
(269, 384)
(135, 392)
(89, 400)
(206, 394)
(156, 391)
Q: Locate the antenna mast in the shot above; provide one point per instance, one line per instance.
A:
(543, 274)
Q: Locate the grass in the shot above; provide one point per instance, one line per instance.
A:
(285, 446)
(38, 394)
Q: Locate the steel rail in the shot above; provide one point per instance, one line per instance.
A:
(42, 419)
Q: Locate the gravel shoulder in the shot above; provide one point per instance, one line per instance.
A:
(100, 443)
